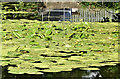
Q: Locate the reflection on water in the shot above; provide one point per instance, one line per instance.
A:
(107, 71)
(92, 74)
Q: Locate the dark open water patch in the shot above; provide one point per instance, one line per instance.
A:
(111, 72)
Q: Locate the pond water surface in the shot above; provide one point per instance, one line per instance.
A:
(106, 72)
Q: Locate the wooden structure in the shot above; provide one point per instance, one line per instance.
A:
(78, 14)
(58, 5)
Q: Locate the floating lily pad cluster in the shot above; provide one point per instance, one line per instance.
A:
(34, 47)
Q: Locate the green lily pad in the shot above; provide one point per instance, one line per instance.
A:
(4, 63)
(115, 62)
(13, 54)
(5, 59)
(107, 64)
(89, 68)
(15, 61)
(57, 69)
(32, 72)
(17, 70)
(41, 65)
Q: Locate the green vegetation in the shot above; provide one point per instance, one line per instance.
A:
(36, 47)
(102, 5)
(20, 10)
(113, 5)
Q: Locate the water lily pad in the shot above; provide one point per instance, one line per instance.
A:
(78, 58)
(17, 70)
(51, 70)
(53, 58)
(5, 59)
(115, 62)
(15, 61)
(4, 63)
(41, 65)
(57, 69)
(107, 64)
(32, 72)
(13, 54)
(89, 68)
(55, 54)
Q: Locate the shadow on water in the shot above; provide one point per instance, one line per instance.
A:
(105, 72)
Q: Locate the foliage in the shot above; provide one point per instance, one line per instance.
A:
(33, 9)
(107, 5)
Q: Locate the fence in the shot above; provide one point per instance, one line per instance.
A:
(85, 15)
(92, 15)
